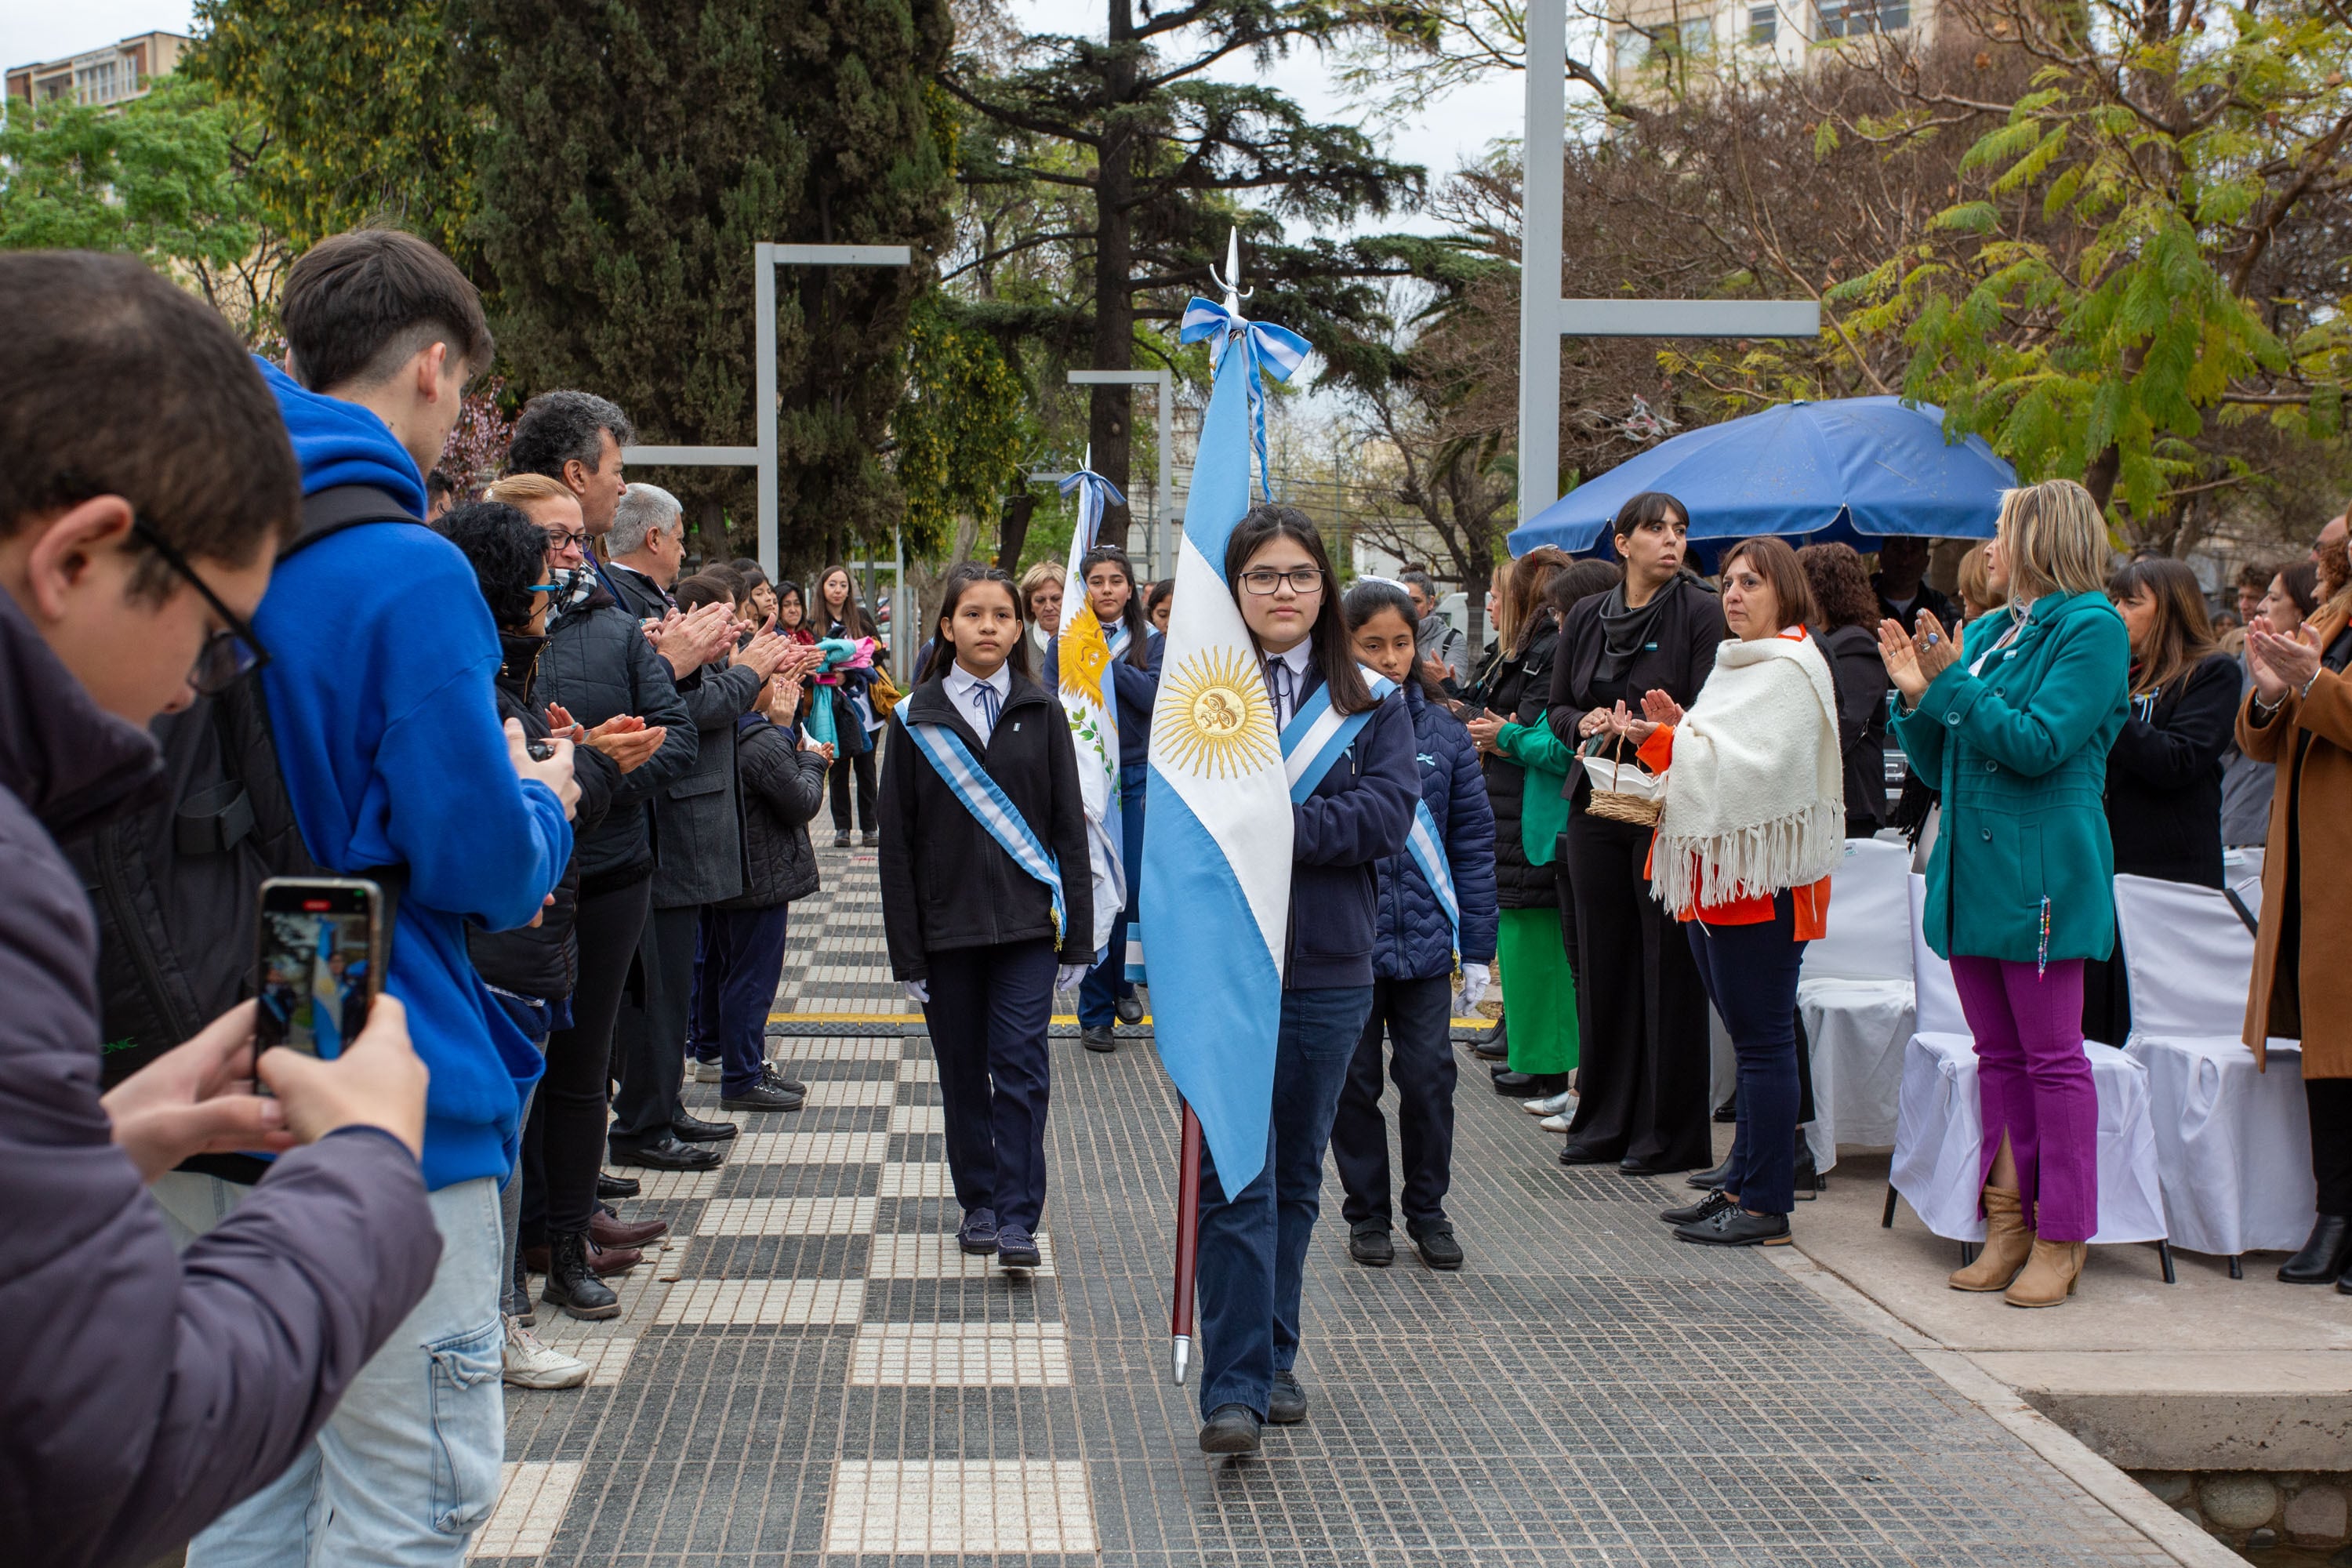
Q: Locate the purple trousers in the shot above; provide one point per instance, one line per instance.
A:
(2033, 1082)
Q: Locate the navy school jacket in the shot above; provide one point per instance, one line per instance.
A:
(1137, 689)
(1357, 817)
(945, 882)
(1415, 941)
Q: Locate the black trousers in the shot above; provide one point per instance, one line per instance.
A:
(1417, 1015)
(989, 1012)
(2330, 1099)
(838, 776)
(649, 1041)
(563, 1142)
(1641, 1007)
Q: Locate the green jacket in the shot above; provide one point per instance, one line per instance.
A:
(2021, 755)
(1543, 804)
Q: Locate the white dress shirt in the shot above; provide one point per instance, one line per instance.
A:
(1300, 661)
(980, 712)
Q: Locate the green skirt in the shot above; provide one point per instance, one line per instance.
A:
(1538, 991)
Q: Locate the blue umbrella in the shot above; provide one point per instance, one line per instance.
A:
(1853, 470)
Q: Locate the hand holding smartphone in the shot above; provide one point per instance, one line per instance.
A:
(323, 952)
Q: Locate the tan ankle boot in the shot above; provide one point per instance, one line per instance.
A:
(2006, 1243)
(2050, 1274)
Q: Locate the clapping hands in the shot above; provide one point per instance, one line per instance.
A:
(2280, 663)
(1913, 659)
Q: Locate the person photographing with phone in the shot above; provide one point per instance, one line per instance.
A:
(141, 496)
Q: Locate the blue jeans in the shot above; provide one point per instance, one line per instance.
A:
(1106, 983)
(409, 1464)
(742, 962)
(1751, 976)
(1254, 1244)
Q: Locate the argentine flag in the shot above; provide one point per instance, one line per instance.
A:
(1092, 708)
(1216, 845)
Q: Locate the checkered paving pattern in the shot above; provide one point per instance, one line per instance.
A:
(811, 1375)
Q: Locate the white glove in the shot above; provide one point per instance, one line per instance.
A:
(1067, 975)
(1474, 987)
(918, 991)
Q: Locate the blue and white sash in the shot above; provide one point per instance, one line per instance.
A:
(1428, 852)
(998, 817)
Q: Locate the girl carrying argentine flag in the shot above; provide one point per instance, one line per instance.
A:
(981, 814)
(1434, 901)
(1352, 818)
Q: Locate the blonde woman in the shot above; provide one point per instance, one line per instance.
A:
(2015, 724)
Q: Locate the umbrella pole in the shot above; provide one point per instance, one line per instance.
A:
(1188, 1246)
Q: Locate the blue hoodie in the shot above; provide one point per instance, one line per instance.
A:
(381, 659)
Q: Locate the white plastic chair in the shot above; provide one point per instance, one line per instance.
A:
(1939, 1128)
(2233, 1144)
(1854, 994)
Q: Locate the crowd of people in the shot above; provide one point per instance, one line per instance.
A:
(268, 1301)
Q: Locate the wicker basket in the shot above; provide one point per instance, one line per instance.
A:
(1613, 801)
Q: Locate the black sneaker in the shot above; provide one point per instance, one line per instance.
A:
(1098, 1038)
(1732, 1226)
(1285, 1403)
(764, 1096)
(1706, 1207)
(1128, 1009)
(1230, 1430)
(774, 1077)
(1436, 1243)
(1369, 1245)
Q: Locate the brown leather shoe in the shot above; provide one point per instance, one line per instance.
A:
(604, 1260)
(2050, 1274)
(611, 1230)
(2006, 1243)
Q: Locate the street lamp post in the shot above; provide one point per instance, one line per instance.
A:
(1161, 506)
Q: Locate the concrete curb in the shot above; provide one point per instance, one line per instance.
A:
(2118, 1493)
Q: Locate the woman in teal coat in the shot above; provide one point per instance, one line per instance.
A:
(2015, 725)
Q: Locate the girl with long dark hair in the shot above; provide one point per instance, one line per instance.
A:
(838, 614)
(1253, 1246)
(1106, 995)
(981, 791)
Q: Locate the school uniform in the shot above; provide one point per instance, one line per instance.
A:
(960, 915)
(1253, 1246)
(1106, 984)
(1412, 985)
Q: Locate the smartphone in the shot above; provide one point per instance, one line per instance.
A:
(541, 750)
(323, 952)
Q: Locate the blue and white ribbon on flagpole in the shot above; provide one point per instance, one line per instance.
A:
(1095, 494)
(1272, 351)
(987, 802)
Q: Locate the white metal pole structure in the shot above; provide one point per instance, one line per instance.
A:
(765, 258)
(1163, 499)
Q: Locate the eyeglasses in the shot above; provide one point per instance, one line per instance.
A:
(560, 540)
(1265, 580)
(228, 653)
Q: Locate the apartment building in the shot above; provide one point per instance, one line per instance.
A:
(1750, 34)
(116, 73)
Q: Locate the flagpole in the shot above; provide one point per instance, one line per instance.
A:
(1187, 1244)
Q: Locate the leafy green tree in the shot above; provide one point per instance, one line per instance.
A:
(960, 431)
(1116, 166)
(170, 177)
(365, 106)
(2145, 248)
(640, 151)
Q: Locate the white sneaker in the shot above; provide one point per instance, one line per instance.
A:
(1550, 1104)
(709, 1072)
(529, 1364)
(1555, 1123)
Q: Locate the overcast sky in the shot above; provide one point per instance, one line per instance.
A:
(1445, 132)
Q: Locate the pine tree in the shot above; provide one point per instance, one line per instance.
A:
(641, 149)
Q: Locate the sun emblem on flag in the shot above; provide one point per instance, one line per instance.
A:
(1085, 654)
(1215, 717)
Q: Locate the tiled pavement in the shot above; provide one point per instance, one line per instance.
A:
(813, 1376)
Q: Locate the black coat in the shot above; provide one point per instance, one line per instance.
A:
(1519, 689)
(1858, 673)
(946, 884)
(2164, 777)
(598, 664)
(1677, 660)
(543, 961)
(782, 788)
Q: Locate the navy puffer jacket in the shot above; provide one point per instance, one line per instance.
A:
(1415, 940)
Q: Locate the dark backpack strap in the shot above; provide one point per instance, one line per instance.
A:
(329, 511)
(2245, 916)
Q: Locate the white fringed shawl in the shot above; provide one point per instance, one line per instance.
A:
(1756, 790)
